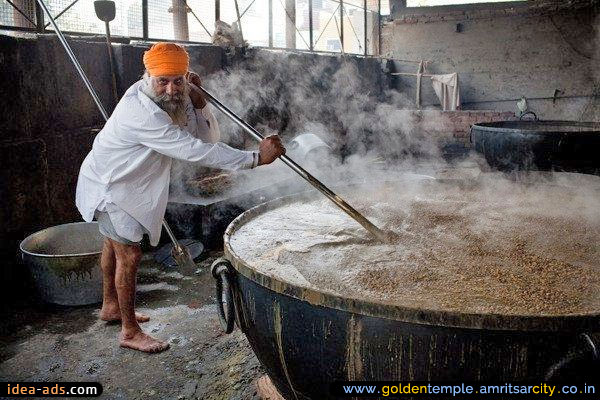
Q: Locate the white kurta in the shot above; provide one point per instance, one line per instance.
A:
(127, 172)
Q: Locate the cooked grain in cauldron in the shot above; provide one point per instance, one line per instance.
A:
(496, 247)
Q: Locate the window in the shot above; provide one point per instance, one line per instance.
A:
(429, 3)
(337, 26)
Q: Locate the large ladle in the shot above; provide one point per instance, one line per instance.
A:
(337, 200)
(180, 253)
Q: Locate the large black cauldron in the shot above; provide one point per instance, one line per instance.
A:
(539, 145)
(307, 339)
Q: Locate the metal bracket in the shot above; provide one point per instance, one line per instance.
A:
(220, 270)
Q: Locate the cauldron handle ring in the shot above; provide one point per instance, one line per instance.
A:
(221, 271)
(588, 346)
(535, 117)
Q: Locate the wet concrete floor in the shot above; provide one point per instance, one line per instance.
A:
(49, 343)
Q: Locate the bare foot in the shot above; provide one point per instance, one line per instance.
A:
(109, 314)
(142, 342)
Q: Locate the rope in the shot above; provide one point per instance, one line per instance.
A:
(62, 12)
(197, 19)
(337, 27)
(352, 26)
(244, 12)
(326, 25)
(21, 12)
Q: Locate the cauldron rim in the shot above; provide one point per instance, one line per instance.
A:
(487, 321)
(529, 127)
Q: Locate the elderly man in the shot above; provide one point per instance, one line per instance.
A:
(124, 180)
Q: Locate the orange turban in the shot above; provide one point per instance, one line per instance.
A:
(166, 58)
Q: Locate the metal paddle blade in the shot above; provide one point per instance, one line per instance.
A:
(168, 256)
(183, 258)
(105, 10)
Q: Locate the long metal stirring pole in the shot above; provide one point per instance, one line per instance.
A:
(92, 91)
(347, 208)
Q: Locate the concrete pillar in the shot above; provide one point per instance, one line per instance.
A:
(28, 8)
(180, 21)
(373, 33)
(270, 23)
(290, 24)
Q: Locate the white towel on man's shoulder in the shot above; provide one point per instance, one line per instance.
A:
(446, 88)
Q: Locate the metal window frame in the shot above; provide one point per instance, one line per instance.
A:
(342, 25)
(42, 28)
(17, 28)
(39, 18)
(14, 6)
(67, 8)
(366, 27)
(311, 45)
(145, 19)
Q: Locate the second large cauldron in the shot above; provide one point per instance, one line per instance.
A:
(307, 339)
(539, 145)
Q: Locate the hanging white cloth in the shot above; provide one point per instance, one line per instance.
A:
(446, 89)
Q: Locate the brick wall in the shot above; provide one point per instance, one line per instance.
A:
(460, 122)
(548, 56)
(452, 127)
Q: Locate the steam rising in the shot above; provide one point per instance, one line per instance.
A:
(343, 100)
(373, 133)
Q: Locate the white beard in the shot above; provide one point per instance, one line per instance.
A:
(172, 105)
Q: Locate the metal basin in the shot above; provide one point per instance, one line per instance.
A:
(539, 145)
(306, 339)
(64, 261)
